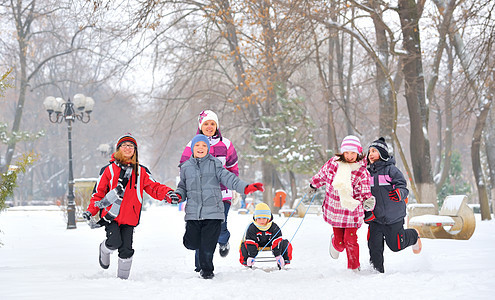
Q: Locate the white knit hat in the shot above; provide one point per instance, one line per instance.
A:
(351, 143)
(206, 115)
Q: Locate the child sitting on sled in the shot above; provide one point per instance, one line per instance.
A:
(263, 234)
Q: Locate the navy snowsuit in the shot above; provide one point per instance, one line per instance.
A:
(388, 225)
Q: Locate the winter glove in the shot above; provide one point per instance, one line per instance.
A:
(368, 217)
(310, 191)
(253, 188)
(250, 261)
(369, 204)
(280, 261)
(86, 215)
(172, 197)
(394, 195)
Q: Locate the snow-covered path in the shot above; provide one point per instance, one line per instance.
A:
(41, 259)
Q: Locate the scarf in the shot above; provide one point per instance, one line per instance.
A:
(263, 228)
(113, 198)
(342, 183)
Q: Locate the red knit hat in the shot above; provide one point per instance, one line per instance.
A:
(126, 138)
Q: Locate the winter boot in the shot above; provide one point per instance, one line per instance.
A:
(224, 249)
(206, 275)
(333, 252)
(124, 267)
(418, 246)
(104, 256)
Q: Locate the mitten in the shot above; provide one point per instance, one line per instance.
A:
(86, 215)
(172, 197)
(394, 195)
(253, 188)
(280, 261)
(250, 261)
(369, 204)
(310, 191)
(368, 217)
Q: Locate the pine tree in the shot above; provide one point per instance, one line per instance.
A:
(287, 141)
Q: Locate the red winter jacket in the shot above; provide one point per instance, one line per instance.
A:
(130, 209)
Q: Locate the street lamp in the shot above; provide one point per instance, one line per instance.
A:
(59, 110)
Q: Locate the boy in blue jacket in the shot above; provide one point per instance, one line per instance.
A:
(386, 221)
(200, 178)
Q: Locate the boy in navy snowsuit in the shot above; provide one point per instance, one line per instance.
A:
(386, 221)
(265, 234)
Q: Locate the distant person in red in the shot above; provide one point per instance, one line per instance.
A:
(118, 197)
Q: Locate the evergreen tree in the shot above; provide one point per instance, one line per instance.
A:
(287, 141)
(455, 184)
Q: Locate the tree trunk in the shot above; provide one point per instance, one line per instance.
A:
(386, 119)
(332, 143)
(490, 153)
(342, 83)
(447, 149)
(23, 82)
(489, 137)
(293, 190)
(476, 161)
(416, 103)
(268, 181)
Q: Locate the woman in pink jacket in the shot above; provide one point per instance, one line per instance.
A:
(348, 194)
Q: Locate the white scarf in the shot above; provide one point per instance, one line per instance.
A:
(343, 185)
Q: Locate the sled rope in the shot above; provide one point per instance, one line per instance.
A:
(300, 223)
(293, 212)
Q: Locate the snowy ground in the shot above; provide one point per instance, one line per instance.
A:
(41, 259)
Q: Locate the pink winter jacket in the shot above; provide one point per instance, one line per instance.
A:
(333, 212)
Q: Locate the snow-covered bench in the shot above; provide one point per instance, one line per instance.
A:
(313, 209)
(300, 209)
(455, 220)
(287, 212)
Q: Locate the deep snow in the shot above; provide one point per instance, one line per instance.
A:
(41, 259)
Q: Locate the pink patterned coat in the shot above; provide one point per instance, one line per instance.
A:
(333, 212)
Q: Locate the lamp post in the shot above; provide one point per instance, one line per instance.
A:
(59, 110)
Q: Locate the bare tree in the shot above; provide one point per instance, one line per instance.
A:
(25, 15)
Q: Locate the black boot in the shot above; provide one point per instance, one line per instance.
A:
(224, 249)
(206, 275)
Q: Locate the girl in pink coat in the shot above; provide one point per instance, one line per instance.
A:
(348, 194)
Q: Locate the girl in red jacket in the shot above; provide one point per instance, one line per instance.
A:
(347, 193)
(118, 196)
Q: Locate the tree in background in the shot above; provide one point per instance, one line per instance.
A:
(8, 180)
(288, 143)
(456, 184)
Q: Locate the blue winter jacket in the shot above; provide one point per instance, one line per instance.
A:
(385, 177)
(199, 184)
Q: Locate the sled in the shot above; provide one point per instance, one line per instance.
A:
(265, 255)
(454, 221)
